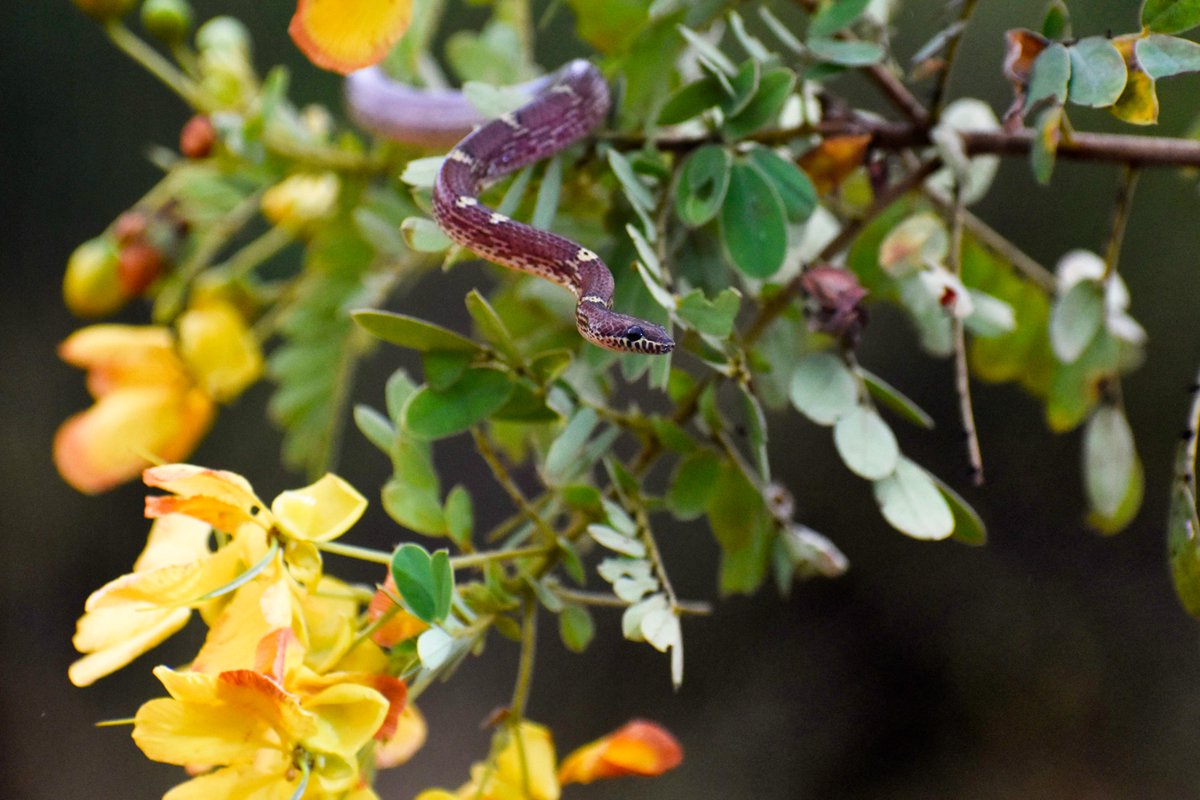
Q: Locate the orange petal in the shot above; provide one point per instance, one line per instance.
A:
(119, 356)
(345, 35)
(639, 748)
(223, 499)
(400, 626)
(113, 440)
(832, 161)
(406, 739)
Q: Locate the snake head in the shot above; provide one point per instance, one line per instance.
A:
(625, 334)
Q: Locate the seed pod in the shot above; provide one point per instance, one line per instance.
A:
(91, 287)
(168, 21)
(139, 264)
(197, 138)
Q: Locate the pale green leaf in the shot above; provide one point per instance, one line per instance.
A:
(912, 503)
(1163, 56)
(1075, 320)
(1109, 459)
(615, 541)
(410, 332)
(866, 444)
(823, 388)
(1098, 72)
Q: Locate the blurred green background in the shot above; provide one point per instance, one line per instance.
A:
(1052, 663)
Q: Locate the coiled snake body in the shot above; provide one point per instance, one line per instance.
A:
(566, 107)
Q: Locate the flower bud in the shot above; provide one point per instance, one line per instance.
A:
(139, 264)
(130, 227)
(105, 9)
(91, 287)
(197, 138)
(167, 20)
(300, 200)
(224, 33)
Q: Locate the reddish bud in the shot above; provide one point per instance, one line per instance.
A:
(197, 138)
(837, 297)
(139, 264)
(130, 227)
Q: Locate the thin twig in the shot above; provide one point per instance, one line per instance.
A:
(962, 373)
(1121, 210)
(899, 95)
(500, 473)
(154, 63)
(938, 97)
(612, 601)
(656, 560)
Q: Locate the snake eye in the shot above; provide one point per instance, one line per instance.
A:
(634, 333)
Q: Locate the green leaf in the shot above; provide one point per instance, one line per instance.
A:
(708, 51)
(795, 189)
(443, 368)
(1183, 546)
(1109, 459)
(399, 388)
(1171, 16)
(713, 317)
(576, 628)
(742, 88)
(835, 15)
(1126, 510)
(1163, 56)
(375, 426)
(383, 235)
(912, 503)
(425, 587)
(1056, 25)
(424, 236)
(1098, 72)
(691, 100)
(823, 388)
(846, 53)
(491, 327)
(1045, 143)
(692, 483)
(422, 172)
(631, 184)
(546, 205)
(410, 332)
(566, 451)
(703, 181)
(460, 516)
(774, 89)
(866, 444)
(968, 525)
(436, 648)
(893, 398)
(492, 101)
(477, 395)
(744, 529)
(616, 541)
(609, 27)
(411, 496)
(1051, 75)
(1075, 320)
(753, 223)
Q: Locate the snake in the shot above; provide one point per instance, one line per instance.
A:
(565, 106)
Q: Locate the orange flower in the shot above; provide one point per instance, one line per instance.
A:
(345, 35)
(155, 393)
(639, 748)
(400, 625)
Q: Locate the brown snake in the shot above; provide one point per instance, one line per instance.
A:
(565, 108)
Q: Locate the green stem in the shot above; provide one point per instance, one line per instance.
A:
(150, 60)
(479, 559)
(327, 158)
(258, 251)
(603, 600)
(524, 682)
(500, 473)
(354, 551)
(1121, 211)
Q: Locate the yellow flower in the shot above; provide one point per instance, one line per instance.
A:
(345, 35)
(264, 739)
(527, 772)
(155, 395)
(300, 200)
(638, 748)
(134, 613)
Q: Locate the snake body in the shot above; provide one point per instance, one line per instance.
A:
(566, 106)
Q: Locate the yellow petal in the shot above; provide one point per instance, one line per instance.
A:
(122, 356)
(113, 637)
(223, 499)
(111, 442)
(437, 794)
(536, 768)
(348, 715)
(408, 738)
(241, 782)
(638, 748)
(345, 35)
(174, 539)
(257, 609)
(319, 512)
(330, 614)
(219, 349)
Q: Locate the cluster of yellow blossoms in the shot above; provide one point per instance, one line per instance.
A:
(287, 698)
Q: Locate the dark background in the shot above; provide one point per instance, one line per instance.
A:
(1052, 663)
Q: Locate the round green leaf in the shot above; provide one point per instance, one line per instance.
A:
(753, 223)
(866, 444)
(773, 91)
(912, 504)
(576, 628)
(1051, 74)
(476, 396)
(795, 189)
(823, 388)
(1098, 72)
(1170, 16)
(412, 570)
(1162, 56)
(1109, 459)
(703, 181)
(1076, 319)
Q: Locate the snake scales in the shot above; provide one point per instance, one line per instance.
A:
(565, 107)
